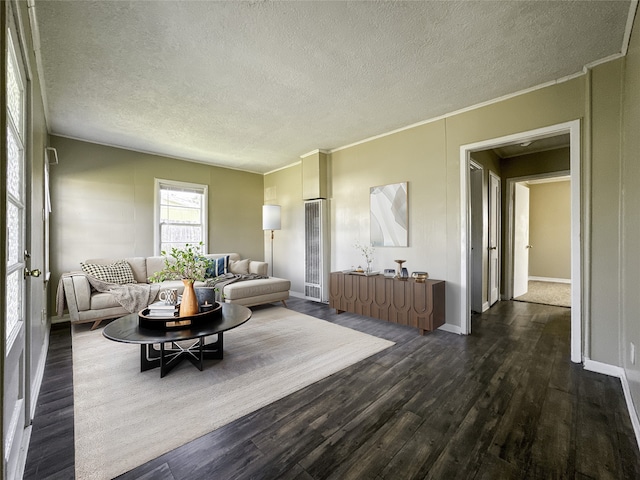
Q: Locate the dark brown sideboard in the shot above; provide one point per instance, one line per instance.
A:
(405, 302)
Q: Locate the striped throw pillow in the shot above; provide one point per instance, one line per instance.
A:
(217, 266)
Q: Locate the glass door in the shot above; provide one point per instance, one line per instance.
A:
(15, 300)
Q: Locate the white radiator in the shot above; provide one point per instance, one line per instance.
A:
(316, 251)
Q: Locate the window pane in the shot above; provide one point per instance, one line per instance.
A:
(14, 165)
(14, 313)
(13, 234)
(183, 199)
(181, 233)
(166, 247)
(175, 214)
(14, 91)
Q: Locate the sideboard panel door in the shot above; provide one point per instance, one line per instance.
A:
(381, 299)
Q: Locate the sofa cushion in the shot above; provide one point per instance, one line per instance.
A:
(103, 300)
(118, 272)
(240, 267)
(261, 268)
(139, 268)
(155, 264)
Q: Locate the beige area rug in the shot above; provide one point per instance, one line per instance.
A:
(547, 293)
(124, 417)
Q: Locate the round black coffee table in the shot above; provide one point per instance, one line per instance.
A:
(127, 330)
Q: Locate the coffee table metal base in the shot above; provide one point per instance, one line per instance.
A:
(171, 354)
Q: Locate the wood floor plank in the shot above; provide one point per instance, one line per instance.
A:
(376, 451)
(322, 460)
(493, 468)
(551, 453)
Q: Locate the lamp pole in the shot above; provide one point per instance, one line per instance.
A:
(271, 221)
(272, 253)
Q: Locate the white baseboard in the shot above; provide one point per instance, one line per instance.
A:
(37, 381)
(550, 279)
(633, 413)
(603, 368)
(485, 306)
(451, 328)
(619, 372)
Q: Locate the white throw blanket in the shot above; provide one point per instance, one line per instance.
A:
(133, 296)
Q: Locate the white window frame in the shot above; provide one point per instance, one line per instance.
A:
(204, 189)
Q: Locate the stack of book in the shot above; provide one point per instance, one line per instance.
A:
(161, 309)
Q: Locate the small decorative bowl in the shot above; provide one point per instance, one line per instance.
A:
(420, 277)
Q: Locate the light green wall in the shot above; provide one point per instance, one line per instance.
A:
(284, 188)
(606, 114)
(416, 156)
(103, 204)
(629, 247)
(550, 230)
(557, 160)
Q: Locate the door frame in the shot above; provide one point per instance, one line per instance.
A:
(14, 28)
(510, 225)
(580, 224)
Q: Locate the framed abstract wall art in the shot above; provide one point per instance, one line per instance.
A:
(389, 215)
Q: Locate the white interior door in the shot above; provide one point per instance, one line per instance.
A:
(494, 238)
(16, 308)
(477, 234)
(521, 241)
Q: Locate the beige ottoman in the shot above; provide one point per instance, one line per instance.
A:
(257, 292)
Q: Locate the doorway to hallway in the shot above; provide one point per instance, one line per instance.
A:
(572, 129)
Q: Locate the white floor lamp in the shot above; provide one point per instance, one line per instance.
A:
(271, 221)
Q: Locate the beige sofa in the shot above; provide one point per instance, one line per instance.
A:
(87, 305)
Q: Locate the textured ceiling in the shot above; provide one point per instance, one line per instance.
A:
(254, 85)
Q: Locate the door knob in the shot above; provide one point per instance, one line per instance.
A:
(493, 248)
(31, 273)
(529, 246)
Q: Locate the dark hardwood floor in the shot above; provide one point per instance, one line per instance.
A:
(503, 403)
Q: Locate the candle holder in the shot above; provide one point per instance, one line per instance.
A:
(401, 273)
(206, 307)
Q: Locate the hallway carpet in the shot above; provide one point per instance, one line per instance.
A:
(547, 293)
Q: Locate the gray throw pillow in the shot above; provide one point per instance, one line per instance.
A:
(239, 267)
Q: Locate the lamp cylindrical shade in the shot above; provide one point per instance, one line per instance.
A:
(271, 217)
